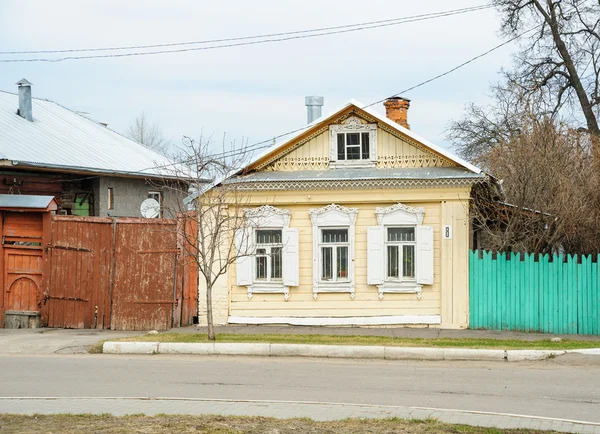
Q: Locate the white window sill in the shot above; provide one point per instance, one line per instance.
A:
(333, 287)
(352, 164)
(269, 288)
(400, 288)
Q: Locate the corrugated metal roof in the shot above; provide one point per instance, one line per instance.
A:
(24, 201)
(360, 174)
(62, 139)
(452, 157)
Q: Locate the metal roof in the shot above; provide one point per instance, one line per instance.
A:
(61, 139)
(359, 174)
(25, 201)
(284, 140)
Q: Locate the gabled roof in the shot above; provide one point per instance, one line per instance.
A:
(282, 143)
(61, 139)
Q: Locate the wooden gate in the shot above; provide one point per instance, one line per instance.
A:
(124, 274)
(78, 290)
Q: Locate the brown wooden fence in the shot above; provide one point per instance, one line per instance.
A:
(123, 274)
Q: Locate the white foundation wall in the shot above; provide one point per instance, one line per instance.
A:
(220, 301)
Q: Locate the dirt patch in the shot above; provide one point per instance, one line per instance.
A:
(105, 424)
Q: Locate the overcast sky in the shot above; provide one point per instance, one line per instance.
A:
(254, 92)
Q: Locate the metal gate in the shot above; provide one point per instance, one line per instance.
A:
(124, 274)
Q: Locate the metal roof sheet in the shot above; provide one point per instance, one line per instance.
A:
(362, 174)
(60, 138)
(24, 201)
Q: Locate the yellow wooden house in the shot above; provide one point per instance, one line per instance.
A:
(363, 222)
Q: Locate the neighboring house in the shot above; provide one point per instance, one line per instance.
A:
(47, 149)
(363, 222)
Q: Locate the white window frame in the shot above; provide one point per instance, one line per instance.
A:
(333, 217)
(400, 245)
(334, 247)
(268, 254)
(395, 216)
(269, 218)
(353, 125)
(151, 195)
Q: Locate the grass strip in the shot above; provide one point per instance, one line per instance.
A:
(512, 344)
(162, 424)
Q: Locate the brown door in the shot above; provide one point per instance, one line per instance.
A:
(22, 278)
(22, 260)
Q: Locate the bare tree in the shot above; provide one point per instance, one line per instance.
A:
(559, 63)
(148, 134)
(214, 210)
(556, 74)
(548, 197)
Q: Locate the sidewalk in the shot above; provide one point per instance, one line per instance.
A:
(320, 411)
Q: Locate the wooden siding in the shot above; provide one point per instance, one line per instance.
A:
(393, 151)
(442, 206)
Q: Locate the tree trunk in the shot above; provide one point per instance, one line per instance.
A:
(584, 102)
(209, 313)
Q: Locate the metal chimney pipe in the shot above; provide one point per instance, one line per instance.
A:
(25, 100)
(313, 107)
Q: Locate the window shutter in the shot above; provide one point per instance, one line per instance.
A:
(291, 261)
(243, 264)
(425, 255)
(375, 261)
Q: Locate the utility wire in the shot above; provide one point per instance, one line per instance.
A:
(261, 145)
(361, 27)
(241, 38)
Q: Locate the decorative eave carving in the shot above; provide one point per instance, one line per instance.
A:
(357, 184)
(418, 212)
(315, 213)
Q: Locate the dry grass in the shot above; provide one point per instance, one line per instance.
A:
(361, 340)
(162, 424)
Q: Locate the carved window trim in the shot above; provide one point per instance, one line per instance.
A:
(398, 215)
(266, 217)
(332, 217)
(352, 124)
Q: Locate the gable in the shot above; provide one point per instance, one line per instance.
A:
(394, 149)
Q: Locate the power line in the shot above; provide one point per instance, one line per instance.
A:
(295, 35)
(253, 147)
(268, 35)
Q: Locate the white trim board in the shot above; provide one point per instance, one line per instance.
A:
(331, 321)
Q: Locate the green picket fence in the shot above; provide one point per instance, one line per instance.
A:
(557, 294)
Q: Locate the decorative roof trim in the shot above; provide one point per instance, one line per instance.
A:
(268, 213)
(353, 184)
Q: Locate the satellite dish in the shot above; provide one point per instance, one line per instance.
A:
(150, 209)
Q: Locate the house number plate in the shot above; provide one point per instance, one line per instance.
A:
(447, 233)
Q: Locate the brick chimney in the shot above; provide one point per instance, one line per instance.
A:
(396, 109)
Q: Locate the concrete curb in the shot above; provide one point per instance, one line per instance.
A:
(334, 351)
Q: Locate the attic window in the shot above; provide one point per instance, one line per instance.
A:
(353, 144)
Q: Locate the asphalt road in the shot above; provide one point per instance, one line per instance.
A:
(561, 388)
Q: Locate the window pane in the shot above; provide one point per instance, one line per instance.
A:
(327, 271)
(408, 262)
(353, 153)
(353, 139)
(335, 235)
(365, 146)
(342, 262)
(276, 263)
(341, 146)
(261, 267)
(392, 261)
(401, 234)
(268, 236)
